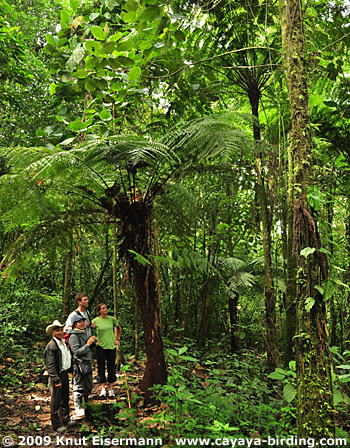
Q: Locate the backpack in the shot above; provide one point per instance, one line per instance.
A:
(66, 337)
(87, 313)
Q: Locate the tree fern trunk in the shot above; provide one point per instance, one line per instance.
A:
(136, 234)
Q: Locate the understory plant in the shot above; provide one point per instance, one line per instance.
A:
(223, 397)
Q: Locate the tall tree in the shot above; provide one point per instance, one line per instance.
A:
(121, 177)
(315, 414)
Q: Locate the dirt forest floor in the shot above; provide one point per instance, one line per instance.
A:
(25, 405)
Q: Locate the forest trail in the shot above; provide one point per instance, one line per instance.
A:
(25, 402)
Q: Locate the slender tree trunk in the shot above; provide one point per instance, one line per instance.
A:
(208, 310)
(266, 220)
(176, 295)
(68, 264)
(315, 413)
(119, 355)
(233, 302)
(332, 302)
(99, 283)
(344, 313)
(136, 329)
(114, 267)
(233, 296)
(209, 286)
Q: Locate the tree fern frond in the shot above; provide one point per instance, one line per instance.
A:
(214, 136)
(230, 264)
(241, 280)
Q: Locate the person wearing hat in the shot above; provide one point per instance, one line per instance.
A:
(82, 310)
(80, 344)
(58, 362)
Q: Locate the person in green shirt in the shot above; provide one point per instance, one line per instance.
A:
(108, 337)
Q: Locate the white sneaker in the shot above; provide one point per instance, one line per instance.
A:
(103, 392)
(111, 393)
(79, 412)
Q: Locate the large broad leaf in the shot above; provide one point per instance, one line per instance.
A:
(128, 17)
(329, 287)
(337, 397)
(67, 77)
(108, 48)
(64, 18)
(93, 47)
(134, 73)
(289, 392)
(180, 36)
(125, 45)
(143, 44)
(94, 16)
(307, 251)
(98, 32)
(74, 4)
(90, 85)
(62, 41)
(150, 13)
(116, 37)
(276, 376)
(102, 84)
(90, 62)
(75, 58)
(105, 114)
(77, 125)
(183, 350)
(81, 74)
(131, 5)
(125, 61)
(314, 197)
(309, 303)
(340, 397)
(52, 40)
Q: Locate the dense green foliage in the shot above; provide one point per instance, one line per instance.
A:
(181, 107)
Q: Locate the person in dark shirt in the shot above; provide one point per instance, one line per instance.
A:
(58, 362)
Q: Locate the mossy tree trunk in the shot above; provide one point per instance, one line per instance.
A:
(266, 221)
(290, 303)
(315, 413)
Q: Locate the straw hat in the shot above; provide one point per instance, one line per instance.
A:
(55, 324)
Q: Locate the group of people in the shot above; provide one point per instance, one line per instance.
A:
(70, 351)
